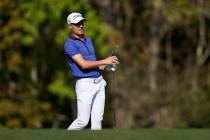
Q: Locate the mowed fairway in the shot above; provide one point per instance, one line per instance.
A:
(107, 134)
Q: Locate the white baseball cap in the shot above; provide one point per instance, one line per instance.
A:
(75, 18)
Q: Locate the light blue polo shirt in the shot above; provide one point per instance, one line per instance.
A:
(75, 46)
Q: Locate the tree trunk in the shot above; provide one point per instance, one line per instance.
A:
(154, 51)
(1, 59)
(154, 46)
(200, 47)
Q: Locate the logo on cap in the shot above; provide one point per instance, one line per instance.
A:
(74, 18)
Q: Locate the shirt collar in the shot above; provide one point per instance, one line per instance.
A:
(74, 38)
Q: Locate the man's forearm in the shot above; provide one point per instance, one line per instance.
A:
(86, 64)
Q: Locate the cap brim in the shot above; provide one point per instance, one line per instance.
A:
(78, 20)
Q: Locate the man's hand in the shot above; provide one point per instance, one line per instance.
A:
(110, 60)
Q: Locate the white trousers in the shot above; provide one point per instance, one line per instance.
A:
(90, 94)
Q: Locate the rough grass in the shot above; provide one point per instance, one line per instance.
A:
(107, 134)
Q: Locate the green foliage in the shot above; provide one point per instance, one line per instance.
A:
(29, 113)
(32, 59)
(195, 110)
(179, 10)
(61, 36)
(98, 33)
(60, 88)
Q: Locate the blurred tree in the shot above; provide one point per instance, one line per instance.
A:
(14, 84)
(202, 50)
(163, 46)
(158, 58)
(34, 75)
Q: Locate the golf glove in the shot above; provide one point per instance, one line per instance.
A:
(112, 67)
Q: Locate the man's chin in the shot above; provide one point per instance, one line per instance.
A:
(81, 34)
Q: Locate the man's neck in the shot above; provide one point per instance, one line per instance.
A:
(80, 37)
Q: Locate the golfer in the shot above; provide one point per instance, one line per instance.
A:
(85, 68)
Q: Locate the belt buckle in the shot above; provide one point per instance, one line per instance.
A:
(97, 80)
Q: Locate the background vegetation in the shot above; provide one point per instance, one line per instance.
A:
(163, 79)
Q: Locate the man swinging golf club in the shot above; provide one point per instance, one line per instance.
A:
(85, 68)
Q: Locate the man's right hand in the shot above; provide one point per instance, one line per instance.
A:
(110, 60)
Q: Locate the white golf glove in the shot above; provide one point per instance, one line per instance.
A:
(112, 67)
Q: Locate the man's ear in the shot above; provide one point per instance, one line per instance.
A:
(69, 26)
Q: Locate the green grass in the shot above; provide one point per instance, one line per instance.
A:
(107, 134)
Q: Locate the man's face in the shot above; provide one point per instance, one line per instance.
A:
(77, 28)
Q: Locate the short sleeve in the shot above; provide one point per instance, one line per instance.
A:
(70, 49)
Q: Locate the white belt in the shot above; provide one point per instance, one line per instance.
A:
(98, 79)
(94, 80)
